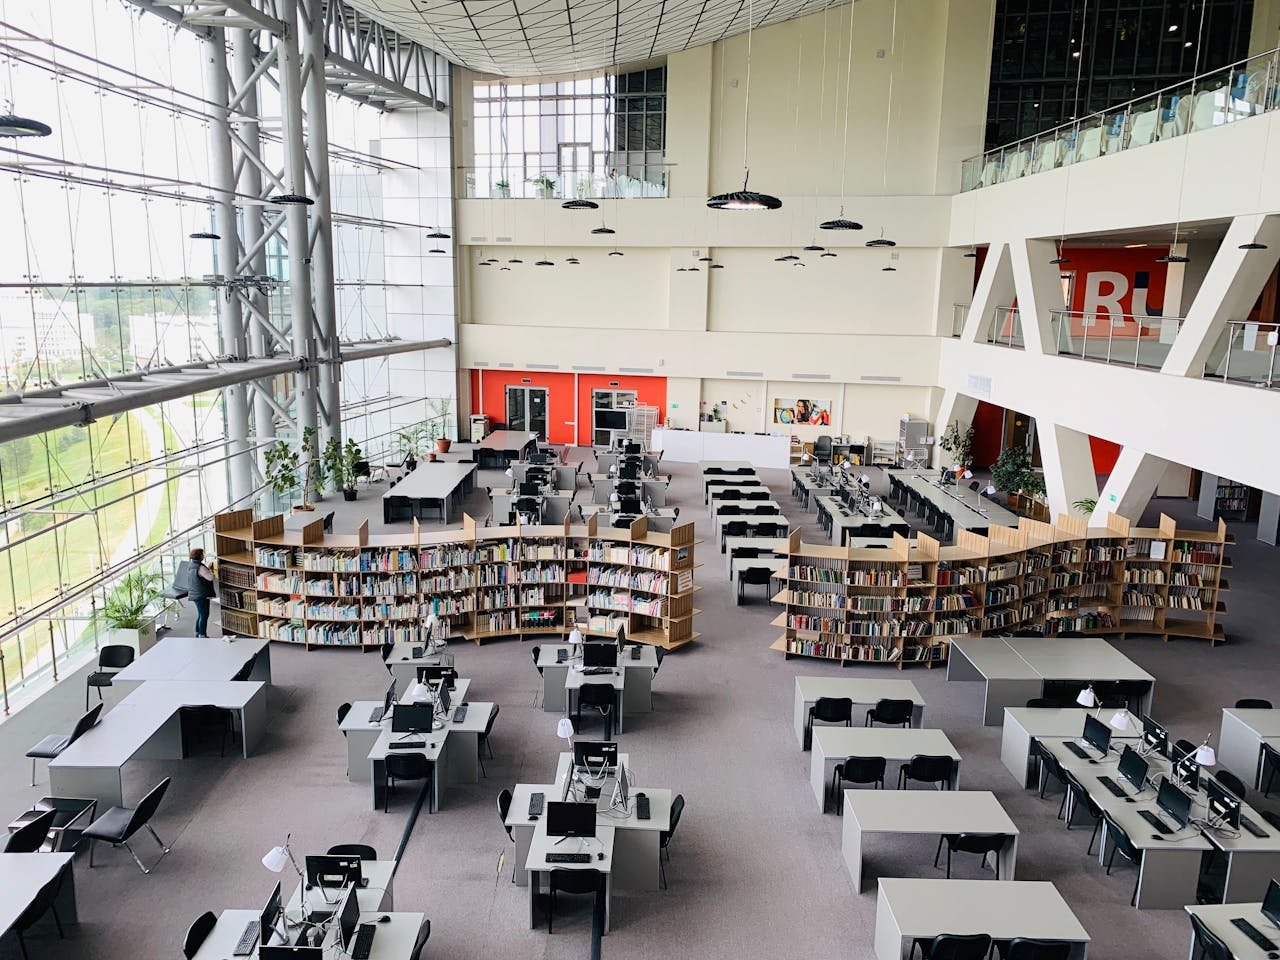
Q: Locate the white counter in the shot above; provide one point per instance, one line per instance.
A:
(688, 446)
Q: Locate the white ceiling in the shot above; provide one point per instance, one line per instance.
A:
(527, 38)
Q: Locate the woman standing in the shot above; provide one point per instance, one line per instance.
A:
(200, 590)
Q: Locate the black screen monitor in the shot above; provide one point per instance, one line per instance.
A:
(571, 819)
(1097, 734)
(1154, 735)
(529, 488)
(599, 654)
(444, 703)
(1271, 904)
(446, 675)
(324, 870)
(348, 920)
(623, 788)
(1186, 771)
(1224, 806)
(611, 420)
(630, 505)
(631, 446)
(629, 471)
(595, 754)
(270, 916)
(1174, 802)
(389, 699)
(540, 458)
(1133, 768)
(412, 718)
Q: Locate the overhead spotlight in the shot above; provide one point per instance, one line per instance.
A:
(602, 229)
(580, 204)
(204, 235)
(1253, 245)
(515, 260)
(1058, 261)
(704, 259)
(13, 126)
(799, 263)
(682, 269)
(744, 199)
(716, 266)
(485, 263)
(291, 199)
(971, 255)
(507, 269)
(888, 269)
(573, 260)
(695, 270)
(1173, 258)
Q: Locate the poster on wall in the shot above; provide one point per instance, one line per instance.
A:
(813, 413)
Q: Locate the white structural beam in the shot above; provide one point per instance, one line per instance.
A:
(995, 288)
(1131, 485)
(1068, 466)
(1039, 291)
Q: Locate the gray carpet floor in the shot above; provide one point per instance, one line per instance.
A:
(755, 871)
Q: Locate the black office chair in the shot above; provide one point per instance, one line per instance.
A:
(504, 808)
(1026, 948)
(926, 768)
(177, 590)
(578, 883)
(1270, 764)
(1043, 703)
(729, 510)
(30, 837)
(765, 510)
(45, 901)
(118, 824)
(111, 660)
(664, 838)
(754, 577)
(361, 851)
(823, 449)
(982, 844)
(420, 942)
(1253, 703)
(197, 933)
(894, 713)
(204, 720)
(622, 523)
(245, 671)
(1231, 782)
(406, 766)
(602, 697)
(953, 946)
(1121, 844)
(827, 710)
(483, 744)
(343, 710)
(854, 770)
(53, 745)
(734, 528)
(768, 530)
(1079, 798)
(730, 495)
(1050, 769)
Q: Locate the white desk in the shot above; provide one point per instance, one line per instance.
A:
(536, 864)
(637, 677)
(147, 724)
(773, 553)
(689, 446)
(430, 485)
(1218, 916)
(404, 665)
(831, 745)
(573, 683)
(509, 445)
(861, 690)
(22, 875)
(1022, 725)
(376, 896)
(198, 658)
(394, 939)
(907, 909)
(967, 508)
(753, 491)
(871, 812)
(752, 522)
(361, 734)
(1240, 741)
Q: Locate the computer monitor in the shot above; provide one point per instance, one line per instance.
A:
(1174, 802)
(1271, 904)
(325, 870)
(540, 458)
(443, 703)
(631, 446)
(1224, 806)
(446, 675)
(599, 654)
(571, 819)
(412, 718)
(1154, 736)
(529, 488)
(1133, 768)
(1097, 734)
(348, 920)
(622, 789)
(595, 755)
(270, 916)
(389, 699)
(1186, 771)
(629, 471)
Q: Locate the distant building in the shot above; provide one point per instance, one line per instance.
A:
(36, 325)
(157, 340)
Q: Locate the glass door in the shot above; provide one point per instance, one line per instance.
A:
(527, 410)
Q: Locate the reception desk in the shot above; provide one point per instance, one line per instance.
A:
(688, 446)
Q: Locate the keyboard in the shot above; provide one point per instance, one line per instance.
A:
(460, 714)
(1155, 821)
(406, 744)
(248, 941)
(642, 808)
(1252, 827)
(536, 802)
(362, 946)
(1253, 933)
(596, 671)
(376, 715)
(1112, 787)
(568, 858)
(1078, 750)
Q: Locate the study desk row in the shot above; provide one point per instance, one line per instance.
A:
(563, 478)
(501, 447)
(844, 524)
(831, 745)
(607, 462)
(550, 507)
(966, 509)
(862, 691)
(1243, 734)
(560, 665)
(653, 490)
(806, 486)
(429, 486)
(765, 527)
(721, 473)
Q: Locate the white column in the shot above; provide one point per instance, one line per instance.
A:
(1068, 466)
(1039, 292)
(1131, 484)
(995, 289)
(955, 407)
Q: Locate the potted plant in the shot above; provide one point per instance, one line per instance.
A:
(282, 470)
(409, 443)
(958, 441)
(340, 471)
(313, 469)
(1086, 505)
(351, 456)
(1012, 473)
(502, 189)
(439, 410)
(544, 186)
(124, 611)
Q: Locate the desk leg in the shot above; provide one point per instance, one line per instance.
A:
(535, 889)
(818, 775)
(851, 845)
(637, 689)
(1168, 879)
(1015, 752)
(377, 783)
(955, 775)
(1009, 859)
(888, 936)
(635, 859)
(917, 715)
(66, 899)
(524, 839)
(799, 714)
(608, 901)
(463, 757)
(619, 697)
(1248, 874)
(262, 666)
(253, 721)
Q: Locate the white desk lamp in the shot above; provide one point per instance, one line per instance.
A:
(1087, 698)
(420, 692)
(967, 475)
(990, 491)
(1205, 755)
(1122, 722)
(279, 857)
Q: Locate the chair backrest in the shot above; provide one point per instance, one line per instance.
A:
(493, 715)
(197, 932)
(385, 651)
(1231, 782)
(960, 946)
(1042, 703)
(983, 843)
(1213, 946)
(597, 695)
(833, 709)
(146, 808)
(536, 651)
(407, 766)
(863, 769)
(757, 576)
(84, 724)
(677, 808)
(243, 673)
(929, 768)
(822, 446)
(1025, 948)
(343, 710)
(1253, 703)
(361, 851)
(1121, 839)
(729, 510)
(735, 528)
(730, 495)
(420, 942)
(41, 903)
(893, 711)
(1181, 748)
(577, 881)
(115, 656)
(181, 578)
(1051, 765)
(504, 805)
(30, 837)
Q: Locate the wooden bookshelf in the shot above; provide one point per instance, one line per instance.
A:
(903, 605)
(363, 590)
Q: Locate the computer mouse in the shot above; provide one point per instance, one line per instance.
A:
(533, 816)
(639, 796)
(385, 918)
(600, 856)
(1130, 800)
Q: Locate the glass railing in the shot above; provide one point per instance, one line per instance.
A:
(625, 183)
(1245, 353)
(1133, 341)
(1005, 328)
(959, 313)
(1223, 96)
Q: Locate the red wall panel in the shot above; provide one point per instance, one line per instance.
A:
(988, 433)
(1105, 454)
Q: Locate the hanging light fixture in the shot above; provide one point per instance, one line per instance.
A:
(880, 241)
(745, 199)
(573, 260)
(972, 254)
(716, 266)
(291, 199)
(704, 259)
(545, 263)
(602, 230)
(1173, 258)
(616, 253)
(1253, 245)
(435, 250)
(204, 235)
(1061, 258)
(814, 248)
(827, 254)
(580, 204)
(682, 269)
(438, 235)
(515, 260)
(841, 222)
(15, 126)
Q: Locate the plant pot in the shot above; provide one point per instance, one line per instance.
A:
(502, 193)
(431, 458)
(543, 192)
(142, 639)
(348, 495)
(443, 444)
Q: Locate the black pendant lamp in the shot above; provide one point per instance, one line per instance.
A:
(545, 263)
(515, 260)
(438, 235)
(814, 248)
(204, 235)
(580, 204)
(716, 266)
(826, 254)
(573, 260)
(840, 223)
(14, 126)
(1253, 245)
(602, 231)
(435, 250)
(616, 253)
(291, 200)
(744, 199)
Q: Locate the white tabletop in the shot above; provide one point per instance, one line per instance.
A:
(21, 877)
(1265, 723)
(477, 717)
(1065, 721)
(993, 658)
(456, 696)
(193, 658)
(925, 811)
(1076, 658)
(1008, 909)
(378, 873)
(857, 689)
(547, 656)
(1218, 916)
(703, 465)
(966, 507)
(541, 845)
(508, 440)
(432, 481)
(894, 743)
(402, 652)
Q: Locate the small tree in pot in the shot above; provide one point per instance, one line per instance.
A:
(282, 471)
(1012, 473)
(341, 462)
(125, 610)
(957, 440)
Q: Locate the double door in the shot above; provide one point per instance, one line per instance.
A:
(527, 410)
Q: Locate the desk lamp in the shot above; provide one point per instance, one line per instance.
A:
(1205, 755)
(279, 857)
(1122, 722)
(1087, 698)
